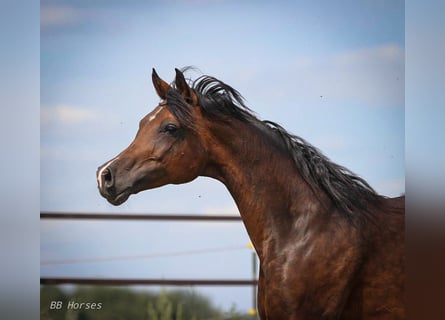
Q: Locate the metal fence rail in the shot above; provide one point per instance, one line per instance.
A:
(153, 282)
(124, 216)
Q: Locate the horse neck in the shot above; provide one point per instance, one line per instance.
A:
(262, 178)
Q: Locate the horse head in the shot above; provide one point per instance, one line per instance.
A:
(166, 150)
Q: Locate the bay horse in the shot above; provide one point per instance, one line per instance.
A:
(329, 246)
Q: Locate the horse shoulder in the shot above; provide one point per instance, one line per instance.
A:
(380, 292)
(311, 274)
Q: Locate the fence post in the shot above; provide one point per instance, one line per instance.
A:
(253, 311)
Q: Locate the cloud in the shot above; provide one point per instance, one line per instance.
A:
(374, 76)
(331, 142)
(194, 2)
(384, 54)
(392, 187)
(227, 209)
(370, 76)
(66, 115)
(52, 16)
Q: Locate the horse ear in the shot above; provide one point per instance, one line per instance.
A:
(160, 85)
(184, 89)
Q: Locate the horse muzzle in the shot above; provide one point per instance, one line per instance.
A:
(107, 185)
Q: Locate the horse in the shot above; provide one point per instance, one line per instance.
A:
(329, 246)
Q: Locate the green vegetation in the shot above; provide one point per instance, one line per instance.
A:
(105, 303)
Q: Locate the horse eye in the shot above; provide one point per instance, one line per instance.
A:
(170, 128)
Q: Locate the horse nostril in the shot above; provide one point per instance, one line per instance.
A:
(107, 177)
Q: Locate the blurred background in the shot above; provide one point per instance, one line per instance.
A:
(374, 29)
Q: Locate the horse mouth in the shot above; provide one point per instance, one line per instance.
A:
(119, 198)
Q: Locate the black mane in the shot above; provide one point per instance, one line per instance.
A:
(347, 191)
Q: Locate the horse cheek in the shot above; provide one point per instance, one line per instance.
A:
(183, 168)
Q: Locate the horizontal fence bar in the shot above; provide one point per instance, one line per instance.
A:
(122, 216)
(149, 282)
(132, 282)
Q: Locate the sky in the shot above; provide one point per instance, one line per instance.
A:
(332, 73)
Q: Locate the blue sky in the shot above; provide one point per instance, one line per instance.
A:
(332, 73)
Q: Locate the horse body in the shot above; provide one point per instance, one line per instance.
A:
(314, 264)
(329, 247)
